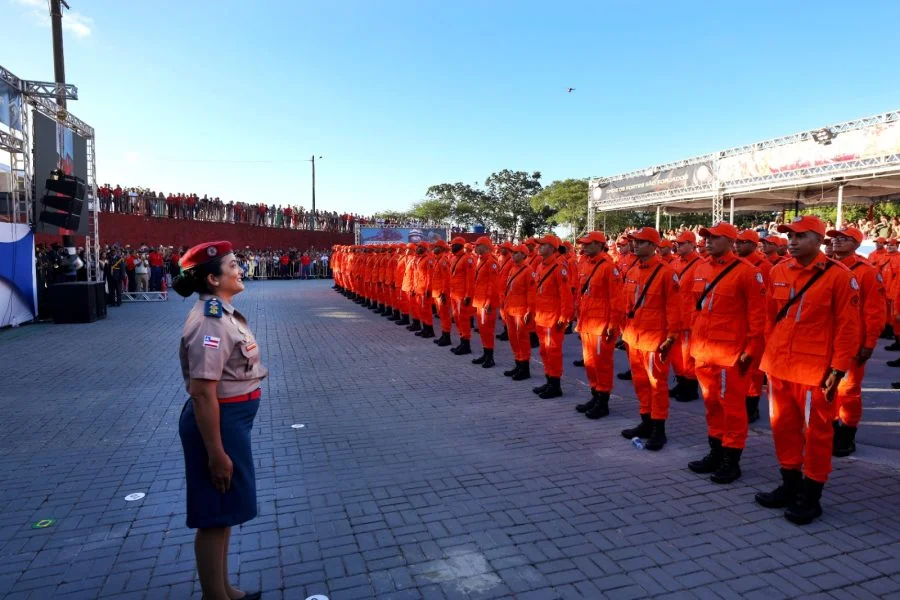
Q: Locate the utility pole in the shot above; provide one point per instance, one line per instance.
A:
(59, 63)
(313, 221)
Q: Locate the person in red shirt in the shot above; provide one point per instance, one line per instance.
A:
(665, 251)
(156, 260)
(813, 335)
(304, 265)
(652, 324)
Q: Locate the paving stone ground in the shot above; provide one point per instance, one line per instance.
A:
(417, 475)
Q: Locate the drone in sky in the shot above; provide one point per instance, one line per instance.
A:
(570, 90)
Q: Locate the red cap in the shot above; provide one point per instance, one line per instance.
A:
(531, 240)
(851, 232)
(778, 240)
(748, 235)
(507, 244)
(550, 239)
(411, 246)
(518, 248)
(664, 243)
(458, 240)
(881, 240)
(686, 236)
(720, 230)
(593, 236)
(804, 223)
(484, 241)
(441, 244)
(892, 241)
(424, 244)
(202, 253)
(622, 241)
(647, 234)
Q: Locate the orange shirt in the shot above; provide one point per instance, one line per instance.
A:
(424, 266)
(685, 268)
(487, 284)
(872, 305)
(821, 331)
(732, 317)
(440, 278)
(519, 290)
(553, 301)
(624, 263)
(758, 260)
(462, 275)
(599, 293)
(506, 263)
(658, 315)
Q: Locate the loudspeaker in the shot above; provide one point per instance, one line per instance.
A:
(61, 220)
(77, 302)
(64, 203)
(67, 185)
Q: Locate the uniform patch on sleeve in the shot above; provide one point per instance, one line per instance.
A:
(564, 273)
(211, 342)
(853, 283)
(494, 266)
(759, 277)
(212, 308)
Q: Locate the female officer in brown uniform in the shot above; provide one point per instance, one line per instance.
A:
(222, 372)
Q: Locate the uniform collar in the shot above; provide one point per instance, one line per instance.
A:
(689, 257)
(552, 259)
(652, 261)
(225, 306)
(726, 259)
(820, 262)
(851, 260)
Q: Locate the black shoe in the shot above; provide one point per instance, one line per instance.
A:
(480, 359)
(533, 339)
(427, 332)
(554, 389)
(844, 440)
(512, 372)
(578, 363)
(503, 337)
(711, 462)
(806, 508)
(396, 315)
(620, 345)
(404, 320)
(690, 390)
(658, 436)
(895, 347)
(641, 431)
(601, 409)
(676, 389)
(463, 348)
(524, 371)
(887, 333)
(730, 469)
(489, 359)
(785, 494)
(583, 408)
(416, 326)
(752, 403)
(894, 363)
(444, 340)
(569, 330)
(541, 388)
(895, 385)
(625, 376)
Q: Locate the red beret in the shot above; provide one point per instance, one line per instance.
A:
(202, 253)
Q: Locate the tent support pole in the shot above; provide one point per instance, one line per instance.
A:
(838, 221)
(731, 211)
(658, 210)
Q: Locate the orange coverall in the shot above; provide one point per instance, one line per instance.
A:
(682, 361)
(599, 293)
(440, 287)
(553, 308)
(486, 298)
(518, 297)
(462, 286)
(422, 287)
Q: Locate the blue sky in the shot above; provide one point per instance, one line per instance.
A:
(397, 96)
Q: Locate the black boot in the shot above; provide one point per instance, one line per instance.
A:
(620, 345)
(524, 371)
(624, 376)
(806, 508)
(504, 336)
(895, 385)
(396, 315)
(601, 409)
(641, 431)
(894, 363)
(690, 390)
(785, 494)
(752, 403)
(676, 389)
(541, 388)
(427, 332)
(895, 347)
(887, 333)
(712, 461)
(416, 326)
(489, 359)
(658, 436)
(514, 371)
(569, 330)
(730, 469)
(578, 363)
(463, 348)
(480, 359)
(554, 389)
(583, 408)
(533, 339)
(844, 440)
(444, 340)
(404, 319)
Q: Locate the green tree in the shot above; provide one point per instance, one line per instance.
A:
(467, 205)
(510, 194)
(566, 201)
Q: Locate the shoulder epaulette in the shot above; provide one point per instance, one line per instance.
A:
(213, 308)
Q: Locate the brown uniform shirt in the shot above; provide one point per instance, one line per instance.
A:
(217, 344)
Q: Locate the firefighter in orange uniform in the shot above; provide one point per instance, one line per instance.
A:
(440, 289)
(553, 308)
(462, 287)
(871, 313)
(652, 324)
(504, 258)
(813, 334)
(422, 283)
(599, 318)
(686, 387)
(665, 251)
(486, 299)
(726, 340)
(518, 298)
(534, 259)
(409, 272)
(625, 259)
(402, 299)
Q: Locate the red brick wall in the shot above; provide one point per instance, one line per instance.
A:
(132, 229)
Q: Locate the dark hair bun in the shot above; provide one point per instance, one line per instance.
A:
(185, 284)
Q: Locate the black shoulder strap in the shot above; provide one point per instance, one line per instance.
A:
(715, 282)
(688, 266)
(640, 300)
(594, 272)
(458, 258)
(546, 275)
(784, 309)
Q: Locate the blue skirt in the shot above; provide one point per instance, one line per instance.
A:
(206, 506)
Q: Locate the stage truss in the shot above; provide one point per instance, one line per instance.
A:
(41, 97)
(145, 296)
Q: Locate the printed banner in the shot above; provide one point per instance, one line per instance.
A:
(10, 106)
(397, 235)
(689, 176)
(882, 139)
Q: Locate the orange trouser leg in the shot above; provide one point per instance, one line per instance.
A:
(756, 381)
(425, 314)
(487, 325)
(650, 376)
(461, 315)
(724, 391)
(682, 361)
(518, 338)
(802, 442)
(598, 361)
(849, 395)
(551, 339)
(414, 305)
(443, 314)
(400, 301)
